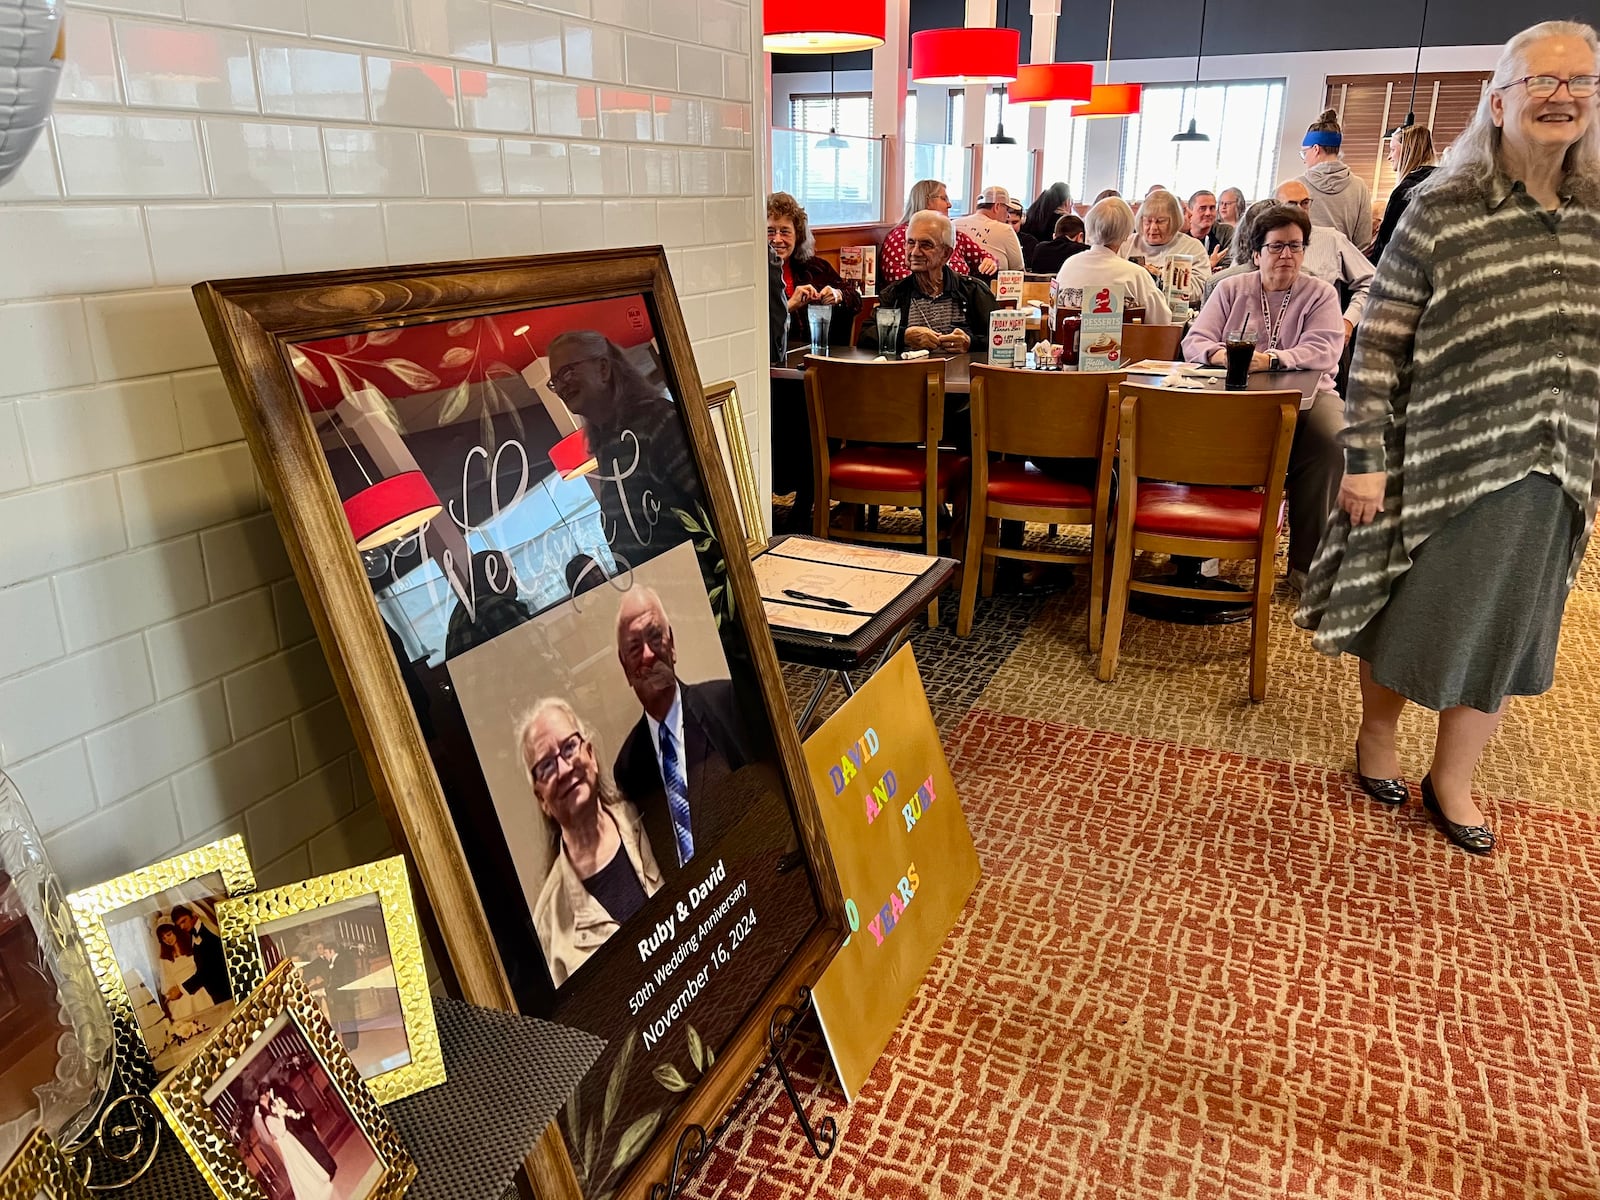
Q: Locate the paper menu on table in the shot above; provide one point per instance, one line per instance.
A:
(830, 587)
(1100, 330)
(1008, 286)
(1008, 337)
(864, 558)
(824, 621)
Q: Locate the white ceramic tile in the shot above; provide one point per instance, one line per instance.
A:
(13, 456)
(373, 162)
(536, 168)
(412, 93)
(84, 432)
(321, 734)
(142, 829)
(730, 312)
(652, 172)
(32, 631)
(702, 173)
(111, 155)
(736, 76)
(573, 8)
(741, 167)
(694, 316)
(206, 416)
(674, 19)
(277, 688)
(711, 359)
(207, 644)
(244, 555)
(372, 22)
(56, 787)
(53, 528)
(504, 103)
(630, 14)
(649, 63)
(309, 81)
(291, 868)
(324, 237)
(678, 120)
(89, 76)
(226, 784)
(151, 8)
(746, 355)
(724, 25)
(188, 67)
(594, 52)
(564, 110)
(527, 38)
(252, 159)
(37, 178)
(155, 742)
(434, 231)
(727, 125)
(566, 225)
(191, 242)
(629, 222)
(124, 594)
(503, 228)
(626, 116)
(452, 29)
(730, 220)
(107, 250)
(700, 70)
(280, 822)
(284, 16)
(741, 268)
(456, 165)
(361, 837)
(43, 346)
(681, 222)
(179, 495)
(146, 333)
(598, 170)
(71, 696)
(289, 609)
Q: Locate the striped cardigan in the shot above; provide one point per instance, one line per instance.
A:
(1477, 363)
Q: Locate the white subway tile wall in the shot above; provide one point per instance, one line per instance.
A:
(160, 681)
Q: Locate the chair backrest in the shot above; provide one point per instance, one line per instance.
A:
(895, 402)
(1064, 414)
(1231, 439)
(1151, 341)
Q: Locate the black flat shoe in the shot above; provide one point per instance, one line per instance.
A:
(1392, 792)
(1474, 839)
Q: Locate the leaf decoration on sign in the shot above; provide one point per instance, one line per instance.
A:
(689, 522)
(418, 379)
(635, 1139)
(352, 343)
(456, 356)
(697, 1050)
(460, 397)
(619, 1077)
(591, 1144)
(457, 328)
(305, 368)
(711, 1059)
(500, 370)
(669, 1077)
(383, 337)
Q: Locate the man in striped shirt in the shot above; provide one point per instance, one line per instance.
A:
(939, 310)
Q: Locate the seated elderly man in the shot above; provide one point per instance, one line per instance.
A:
(939, 310)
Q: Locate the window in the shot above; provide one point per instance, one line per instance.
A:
(1066, 141)
(1010, 167)
(1244, 119)
(1371, 105)
(848, 112)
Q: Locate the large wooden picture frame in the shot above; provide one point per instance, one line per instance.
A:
(340, 379)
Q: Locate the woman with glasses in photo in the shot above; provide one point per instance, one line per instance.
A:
(604, 869)
(1470, 457)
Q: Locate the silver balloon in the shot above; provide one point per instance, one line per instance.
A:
(31, 50)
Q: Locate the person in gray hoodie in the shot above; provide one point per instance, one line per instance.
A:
(1338, 198)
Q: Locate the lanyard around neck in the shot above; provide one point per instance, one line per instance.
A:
(1273, 330)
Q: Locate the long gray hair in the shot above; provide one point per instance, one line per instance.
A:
(917, 199)
(1474, 157)
(607, 787)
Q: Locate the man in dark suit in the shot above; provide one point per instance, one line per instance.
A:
(338, 968)
(210, 970)
(685, 743)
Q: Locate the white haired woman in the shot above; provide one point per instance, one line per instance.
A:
(604, 869)
(929, 195)
(1108, 224)
(1470, 456)
(1160, 236)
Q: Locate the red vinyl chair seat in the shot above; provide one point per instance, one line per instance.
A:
(1022, 483)
(1185, 510)
(891, 468)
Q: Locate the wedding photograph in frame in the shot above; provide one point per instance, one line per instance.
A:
(39, 1171)
(728, 419)
(273, 1108)
(155, 949)
(508, 507)
(353, 935)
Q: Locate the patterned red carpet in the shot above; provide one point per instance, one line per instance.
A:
(1201, 965)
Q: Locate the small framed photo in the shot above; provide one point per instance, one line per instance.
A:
(354, 936)
(273, 1108)
(728, 422)
(153, 942)
(39, 1171)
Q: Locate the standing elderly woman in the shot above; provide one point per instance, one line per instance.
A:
(1160, 237)
(604, 869)
(806, 279)
(929, 195)
(1108, 225)
(1338, 198)
(1470, 460)
(1411, 156)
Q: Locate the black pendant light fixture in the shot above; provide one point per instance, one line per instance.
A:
(1000, 138)
(1416, 69)
(833, 141)
(1192, 134)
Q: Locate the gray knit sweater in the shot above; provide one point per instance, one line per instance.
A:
(1477, 363)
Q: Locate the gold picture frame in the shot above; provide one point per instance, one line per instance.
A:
(727, 420)
(368, 913)
(242, 1061)
(39, 1171)
(98, 913)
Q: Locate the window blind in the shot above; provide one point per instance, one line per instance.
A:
(1371, 105)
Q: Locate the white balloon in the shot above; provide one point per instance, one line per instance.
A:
(31, 50)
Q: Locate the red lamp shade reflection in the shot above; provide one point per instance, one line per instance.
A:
(571, 456)
(821, 26)
(391, 508)
(1111, 100)
(965, 56)
(1043, 82)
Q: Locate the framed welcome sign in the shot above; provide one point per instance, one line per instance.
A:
(503, 497)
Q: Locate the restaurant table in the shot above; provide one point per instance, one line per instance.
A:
(874, 642)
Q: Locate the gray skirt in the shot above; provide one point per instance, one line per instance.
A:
(1478, 615)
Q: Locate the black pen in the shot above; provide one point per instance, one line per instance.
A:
(830, 601)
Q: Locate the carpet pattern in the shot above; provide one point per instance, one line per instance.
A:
(1200, 964)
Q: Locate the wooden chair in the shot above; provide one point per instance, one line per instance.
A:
(1140, 342)
(1204, 450)
(889, 416)
(1022, 415)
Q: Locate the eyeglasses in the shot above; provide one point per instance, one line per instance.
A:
(1282, 248)
(545, 769)
(564, 378)
(1542, 87)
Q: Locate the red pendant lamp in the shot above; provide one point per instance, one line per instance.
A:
(822, 26)
(572, 457)
(1045, 82)
(1111, 99)
(964, 57)
(391, 508)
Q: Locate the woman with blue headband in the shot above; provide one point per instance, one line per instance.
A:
(1338, 198)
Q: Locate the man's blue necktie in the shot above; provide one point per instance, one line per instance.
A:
(677, 796)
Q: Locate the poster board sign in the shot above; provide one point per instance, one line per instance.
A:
(1008, 286)
(1008, 337)
(859, 265)
(1176, 274)
(850, 264)
(1100, 334)
(905, 859)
